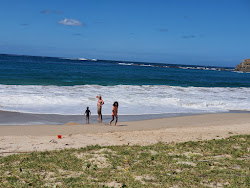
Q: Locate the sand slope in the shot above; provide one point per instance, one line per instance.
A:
(18, 139)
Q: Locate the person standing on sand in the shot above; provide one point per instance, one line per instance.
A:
(100, 102)
(87, 112)
(114, 112)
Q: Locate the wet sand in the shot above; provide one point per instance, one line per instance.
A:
(27, 138)
(17, 118)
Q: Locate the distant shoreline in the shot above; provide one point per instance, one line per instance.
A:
(172, 65)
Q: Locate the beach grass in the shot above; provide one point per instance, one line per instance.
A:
(210, 163)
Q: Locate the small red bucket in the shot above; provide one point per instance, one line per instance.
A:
(59, 136)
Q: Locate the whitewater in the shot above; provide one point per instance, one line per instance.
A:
(133, 100)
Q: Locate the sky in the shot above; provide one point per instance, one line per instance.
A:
(198, 32)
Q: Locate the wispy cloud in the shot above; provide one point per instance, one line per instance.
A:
(48, 11)
(188, 36)
(45, 11)
(71, 22)
(77, 34)
(163, 30)
(24, 24)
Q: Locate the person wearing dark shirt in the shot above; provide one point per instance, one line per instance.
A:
(88, 113)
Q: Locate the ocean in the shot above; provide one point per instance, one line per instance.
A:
(49, 85)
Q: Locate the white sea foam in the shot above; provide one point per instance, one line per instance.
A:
(126, 64)
(241, 72)
(132, 99)
(145, 65)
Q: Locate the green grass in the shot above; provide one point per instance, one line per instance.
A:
(213, 163)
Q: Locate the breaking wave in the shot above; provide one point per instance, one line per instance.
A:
(134, 100)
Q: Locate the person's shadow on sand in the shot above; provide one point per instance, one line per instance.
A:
(123, 125)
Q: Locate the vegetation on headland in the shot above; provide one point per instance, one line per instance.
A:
(243, 66)
(212, 163)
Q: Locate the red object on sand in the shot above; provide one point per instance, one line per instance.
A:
(59, 136)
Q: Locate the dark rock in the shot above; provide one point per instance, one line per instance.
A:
(244, 66)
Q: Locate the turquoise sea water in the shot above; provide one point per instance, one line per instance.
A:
(28, 70)
(66, 86)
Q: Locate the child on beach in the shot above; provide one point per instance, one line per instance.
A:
(114, 112)
(87, 112)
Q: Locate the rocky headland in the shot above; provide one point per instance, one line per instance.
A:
(244, 66)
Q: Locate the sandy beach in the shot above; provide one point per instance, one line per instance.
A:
(27, 138)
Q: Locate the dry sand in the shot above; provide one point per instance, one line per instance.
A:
(22, 139)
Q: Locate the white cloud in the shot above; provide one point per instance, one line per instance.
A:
(71, 22)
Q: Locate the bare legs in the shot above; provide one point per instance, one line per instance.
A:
(99, 112)
(87, 120)
(116, 119)
(99, 117)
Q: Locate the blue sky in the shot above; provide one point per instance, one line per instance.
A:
(204, 32)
